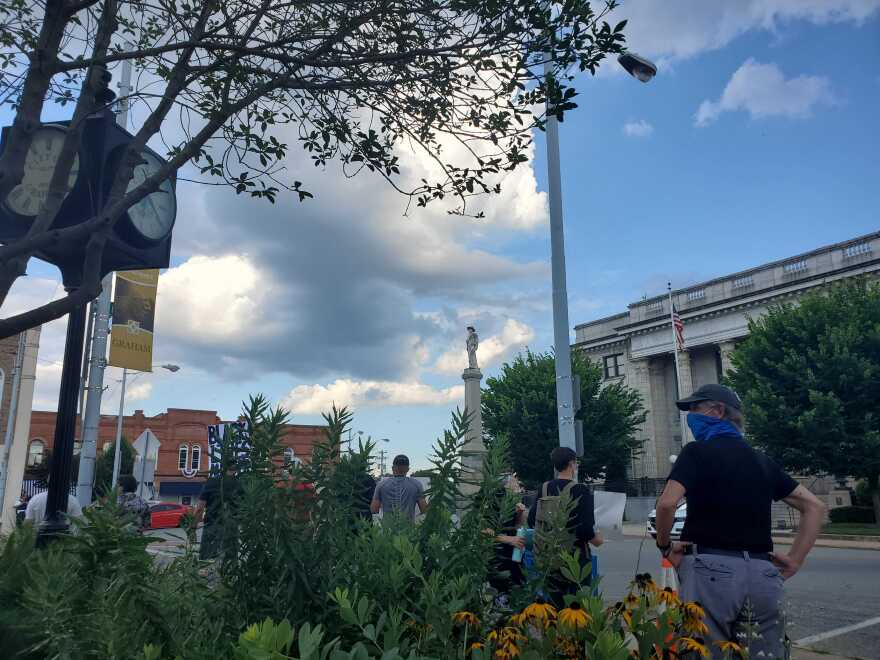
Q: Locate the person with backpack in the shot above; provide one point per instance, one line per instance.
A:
(581, 521)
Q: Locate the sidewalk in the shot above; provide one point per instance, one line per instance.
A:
(824, 540)
(806, 654)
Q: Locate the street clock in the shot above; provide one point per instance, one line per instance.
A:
(28, 197)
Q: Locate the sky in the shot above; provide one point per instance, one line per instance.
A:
(756, 141)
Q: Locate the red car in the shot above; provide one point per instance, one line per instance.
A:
(167, 514)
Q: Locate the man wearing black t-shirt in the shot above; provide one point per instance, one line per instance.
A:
(581, 521)
(726, 560)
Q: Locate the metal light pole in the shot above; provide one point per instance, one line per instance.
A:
(643, 70)
(117, 447)
(91, 419)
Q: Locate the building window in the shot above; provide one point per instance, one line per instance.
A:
(795, 267)
(743, 282)
(195, 458)
(696, 294)
(612, 365)
(839, 501)
(36, 452)
(856, 250)
(182, 456)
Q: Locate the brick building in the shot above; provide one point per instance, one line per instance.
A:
(182, 463)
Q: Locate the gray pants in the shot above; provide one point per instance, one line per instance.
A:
(742, 598)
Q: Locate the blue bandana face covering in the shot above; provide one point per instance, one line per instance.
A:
(705, 428)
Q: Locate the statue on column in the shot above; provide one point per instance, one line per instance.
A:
(473, 342)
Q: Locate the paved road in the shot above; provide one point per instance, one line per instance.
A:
(836, 588)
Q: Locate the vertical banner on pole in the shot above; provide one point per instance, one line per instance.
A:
(134, 306)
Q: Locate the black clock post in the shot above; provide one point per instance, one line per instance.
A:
(103, 145)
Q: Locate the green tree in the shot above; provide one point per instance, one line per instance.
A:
(520, 404)
(809, 377)
(229, 85)
(104, 466)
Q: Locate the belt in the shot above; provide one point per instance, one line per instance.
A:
(742, 554)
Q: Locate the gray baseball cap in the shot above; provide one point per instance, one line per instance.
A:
(712, 392)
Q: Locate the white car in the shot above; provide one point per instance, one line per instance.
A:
(677, 525)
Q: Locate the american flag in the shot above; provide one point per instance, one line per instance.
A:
(678, 328)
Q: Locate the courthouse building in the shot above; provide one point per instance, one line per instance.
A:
(636, 346)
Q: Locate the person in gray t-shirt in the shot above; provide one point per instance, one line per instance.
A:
(399, 493)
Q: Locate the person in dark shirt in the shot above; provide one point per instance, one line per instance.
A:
(504, 572)
(581, 521)
(220, 494)
(726, 560)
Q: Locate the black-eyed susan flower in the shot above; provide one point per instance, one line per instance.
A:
(731, 647)
(466, 617)
(694, 626)
(631, 601)
(476, 646)
(694, 645)
(669, 597)
(518, 619)
(694, 610)
(645, 582)
(507, 651)
(574, 616)
(541, 611)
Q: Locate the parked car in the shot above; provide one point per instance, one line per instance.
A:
(167, 514)
(677, 525)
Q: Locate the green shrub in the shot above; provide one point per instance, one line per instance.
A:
(852, 514)
(325, 584)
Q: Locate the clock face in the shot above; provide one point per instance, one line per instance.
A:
(28, 197)
(153, 216)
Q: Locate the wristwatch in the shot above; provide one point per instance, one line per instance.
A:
(665, 550)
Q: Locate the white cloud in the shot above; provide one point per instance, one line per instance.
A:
(514, 336)
(640, 128)
(763, 91)
(311, 399)
(680, 29)
(138, 392)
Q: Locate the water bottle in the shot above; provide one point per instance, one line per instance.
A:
(517, 553)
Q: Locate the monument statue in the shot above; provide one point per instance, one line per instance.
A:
(473, 343)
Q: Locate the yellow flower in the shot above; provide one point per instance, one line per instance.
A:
(631, 601)
(567, 647)
(691, 644)
(518, 619)
(627, 617)
(510, 634)
(645, 582)
(540, 611)
(507, 651)
(694, 610)
(466, 617)
(669, 597)
(574, 616)
(476, 646)
(694, 626)
(731, 647)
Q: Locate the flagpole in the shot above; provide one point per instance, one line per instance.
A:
(681, 393)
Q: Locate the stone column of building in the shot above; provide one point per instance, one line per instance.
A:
(725, 348)
(664, 417)
(640, 379)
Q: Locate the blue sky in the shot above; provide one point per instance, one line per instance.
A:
(344, 299)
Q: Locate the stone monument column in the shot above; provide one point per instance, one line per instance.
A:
(474, 449)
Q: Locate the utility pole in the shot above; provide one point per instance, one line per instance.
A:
(561, 341)
(91, 421)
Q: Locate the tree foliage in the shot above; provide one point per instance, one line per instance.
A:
(104, 466)
(227, 86)
(520, 404)
(809, 377)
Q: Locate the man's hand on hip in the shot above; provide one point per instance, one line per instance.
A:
(676, 553)
(787, 565)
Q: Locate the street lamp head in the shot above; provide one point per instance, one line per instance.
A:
(171, 367)
(638, 67)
